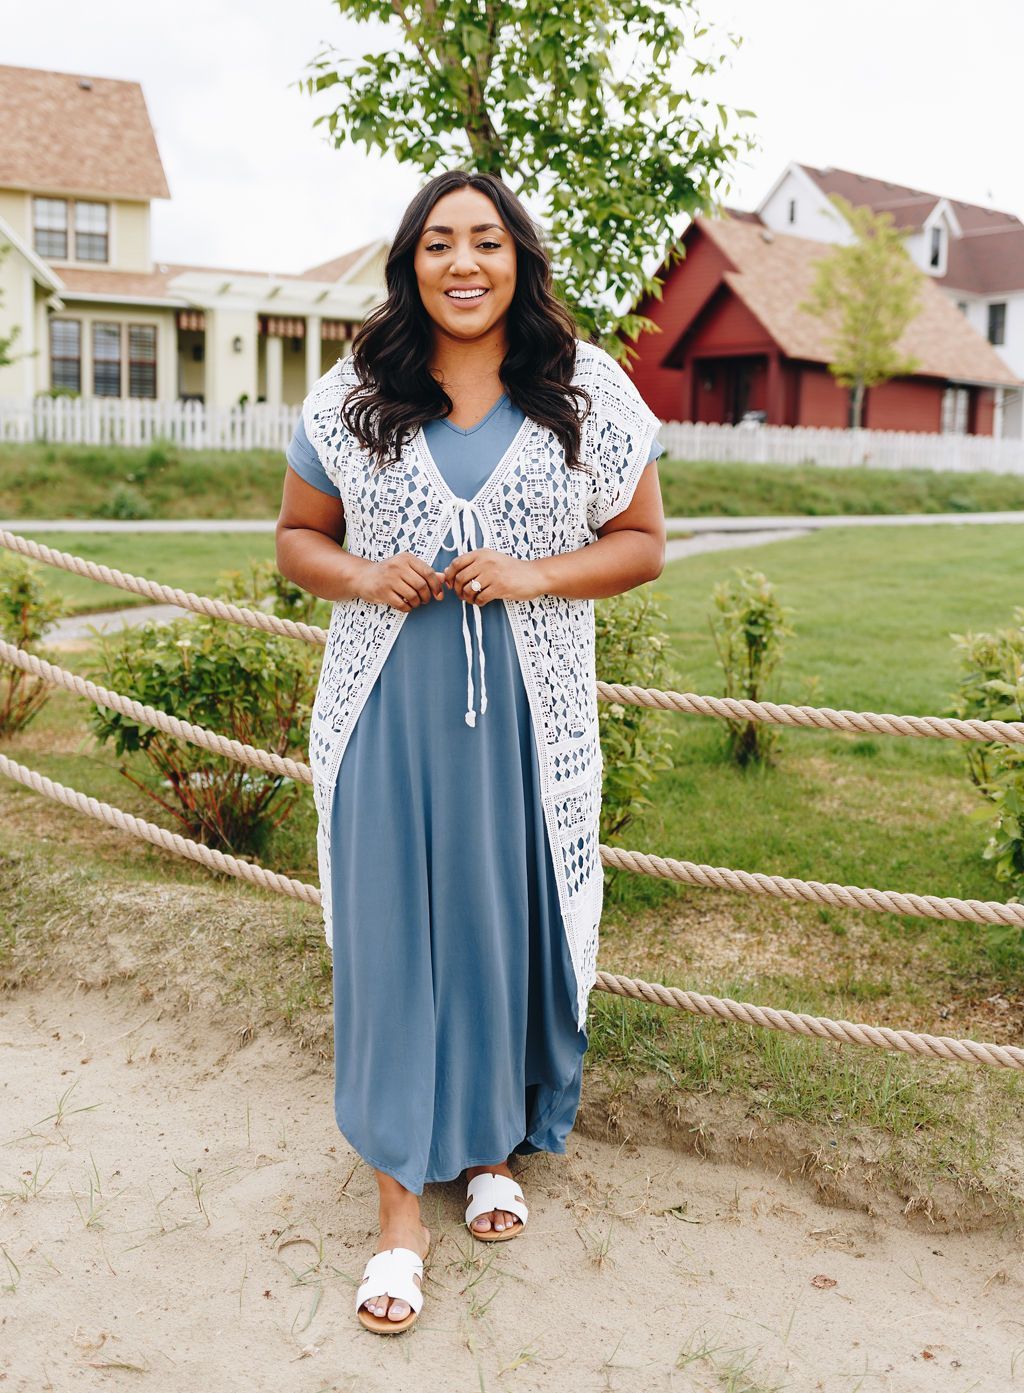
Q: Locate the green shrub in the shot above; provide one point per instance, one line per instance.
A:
(126, 504)
(991, 688)
(632, 647)
(748, 630)
(26, 609)
(251, 686)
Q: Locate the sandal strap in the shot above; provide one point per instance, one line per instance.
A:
(488, 1191)
(390, 1273)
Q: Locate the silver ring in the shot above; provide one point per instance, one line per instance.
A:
(474, 584)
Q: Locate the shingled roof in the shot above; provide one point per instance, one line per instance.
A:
(67, 133)
(774, 271)
(987, 260)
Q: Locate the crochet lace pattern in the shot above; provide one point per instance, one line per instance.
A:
(531, 506)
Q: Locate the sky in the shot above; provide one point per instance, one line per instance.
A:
(923, 94)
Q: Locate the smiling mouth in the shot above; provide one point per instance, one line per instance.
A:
(466, 298)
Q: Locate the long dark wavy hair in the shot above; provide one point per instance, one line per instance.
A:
(396, 392)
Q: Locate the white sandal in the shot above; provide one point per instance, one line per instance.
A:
(391, 1272)
(487, 1191)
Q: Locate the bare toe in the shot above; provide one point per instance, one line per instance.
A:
(398, 1310)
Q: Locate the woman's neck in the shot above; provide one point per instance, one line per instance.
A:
(457, 363)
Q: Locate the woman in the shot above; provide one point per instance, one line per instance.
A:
(449, 446)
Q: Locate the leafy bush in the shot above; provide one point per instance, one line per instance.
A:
(748, 631)
(26, 609)
(251, 686)
(631, 648)
(991, 688)
(126, 504)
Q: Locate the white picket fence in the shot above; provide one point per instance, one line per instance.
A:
(875, 449)
(193, 426)
(111, 421)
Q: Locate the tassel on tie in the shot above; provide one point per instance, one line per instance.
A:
(465, 513)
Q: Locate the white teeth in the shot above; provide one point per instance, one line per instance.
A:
(465, 294)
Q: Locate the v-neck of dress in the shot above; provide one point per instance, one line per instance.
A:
(496, 474)
(468, 430)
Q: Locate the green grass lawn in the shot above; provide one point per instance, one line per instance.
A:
(76, 481)
(873, 610)
(188, 560)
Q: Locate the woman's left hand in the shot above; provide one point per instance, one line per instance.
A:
(501, 577)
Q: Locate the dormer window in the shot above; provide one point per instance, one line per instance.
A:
(792, 210)
(92, 231)
(936, 252)
(53, 219)
(997, 322)
(50, 227)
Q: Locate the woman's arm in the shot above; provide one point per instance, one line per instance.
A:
(309, 526)
(630, 550)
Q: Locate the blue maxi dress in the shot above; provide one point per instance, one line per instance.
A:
(455, 1038)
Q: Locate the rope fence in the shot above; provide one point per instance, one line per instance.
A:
(720, 1008)
(688, 872)
(619, 858)
(689, 703)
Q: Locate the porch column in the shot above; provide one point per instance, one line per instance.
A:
(313, 331)
(275, 369)
(774, 406)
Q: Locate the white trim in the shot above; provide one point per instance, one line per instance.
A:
(372, 250)
(42, 273)
(801, 175)
(95, 297)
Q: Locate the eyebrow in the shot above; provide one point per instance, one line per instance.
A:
(480, 227)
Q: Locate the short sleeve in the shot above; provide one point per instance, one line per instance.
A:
(622, 440)
(302, 457)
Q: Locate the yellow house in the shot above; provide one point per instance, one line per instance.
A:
(79, 167)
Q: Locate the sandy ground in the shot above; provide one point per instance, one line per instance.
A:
(179, 1212)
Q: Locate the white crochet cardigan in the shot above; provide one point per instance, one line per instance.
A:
(531, 506)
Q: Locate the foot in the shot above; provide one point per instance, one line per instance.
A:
(498, 1219)
(398, 1231)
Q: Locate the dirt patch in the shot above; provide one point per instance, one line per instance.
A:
(181, 1211)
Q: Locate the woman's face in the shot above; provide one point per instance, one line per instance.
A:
(465, 246)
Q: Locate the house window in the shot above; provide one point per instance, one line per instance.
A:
(142, 360)
(106, 360)
(936, 254)
(66, 353)
(50, 227)
(92, 231)
(955, 404)
(997, 323)
(792, 210)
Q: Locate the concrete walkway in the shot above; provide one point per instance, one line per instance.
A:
(712, 534)
(80, 626)
(784, 522)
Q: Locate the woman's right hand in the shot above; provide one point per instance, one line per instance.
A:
(403, 582)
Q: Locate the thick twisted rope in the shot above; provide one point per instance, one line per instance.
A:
(170, 841)
(813, 891)
(690, 703)
(737, 1012)
(152, 716)
(813, 717)
(164, 594)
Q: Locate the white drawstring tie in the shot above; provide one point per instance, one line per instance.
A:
(464, 515)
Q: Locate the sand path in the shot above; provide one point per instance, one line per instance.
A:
(194, 1221)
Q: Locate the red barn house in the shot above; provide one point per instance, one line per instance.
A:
(731, 340)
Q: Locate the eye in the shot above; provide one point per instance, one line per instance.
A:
(433, 246)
